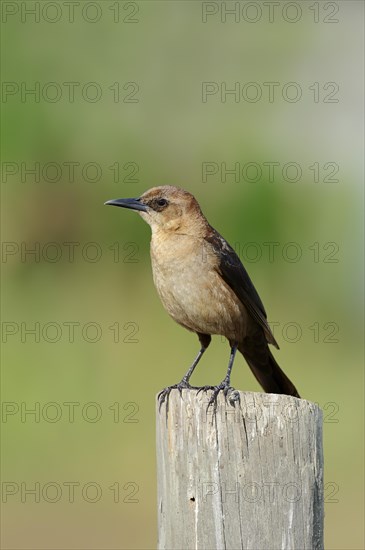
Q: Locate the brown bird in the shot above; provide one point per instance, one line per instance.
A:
(205, 288)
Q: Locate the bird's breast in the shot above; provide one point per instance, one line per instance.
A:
(192, 291)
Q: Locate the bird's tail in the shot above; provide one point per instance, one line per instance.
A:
(268, 373)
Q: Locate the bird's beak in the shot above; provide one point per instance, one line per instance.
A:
(134, 204)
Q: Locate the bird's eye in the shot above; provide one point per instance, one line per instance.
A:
(161, 202)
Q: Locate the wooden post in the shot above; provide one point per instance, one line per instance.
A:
(249, 476)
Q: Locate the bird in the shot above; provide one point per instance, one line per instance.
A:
(205, 288)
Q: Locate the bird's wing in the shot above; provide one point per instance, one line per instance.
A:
(236, 277)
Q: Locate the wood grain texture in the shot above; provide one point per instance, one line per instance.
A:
(248, 477)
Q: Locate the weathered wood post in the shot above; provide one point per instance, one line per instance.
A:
(249, 476)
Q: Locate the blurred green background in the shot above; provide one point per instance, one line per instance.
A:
(103, 341)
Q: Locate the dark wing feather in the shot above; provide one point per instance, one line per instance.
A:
(235, 275)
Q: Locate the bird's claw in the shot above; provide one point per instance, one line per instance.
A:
(223, 386)
(165, 393)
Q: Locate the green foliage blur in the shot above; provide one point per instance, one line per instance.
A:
(102, 340)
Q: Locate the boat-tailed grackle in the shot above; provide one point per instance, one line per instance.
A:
(205, 288)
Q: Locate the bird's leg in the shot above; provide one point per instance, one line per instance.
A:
(184, 383)
(227, 380)
(225, 385)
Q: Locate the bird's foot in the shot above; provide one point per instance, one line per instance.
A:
(223, 386)
(165, 393)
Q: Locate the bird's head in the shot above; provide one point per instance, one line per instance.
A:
(166, 208)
